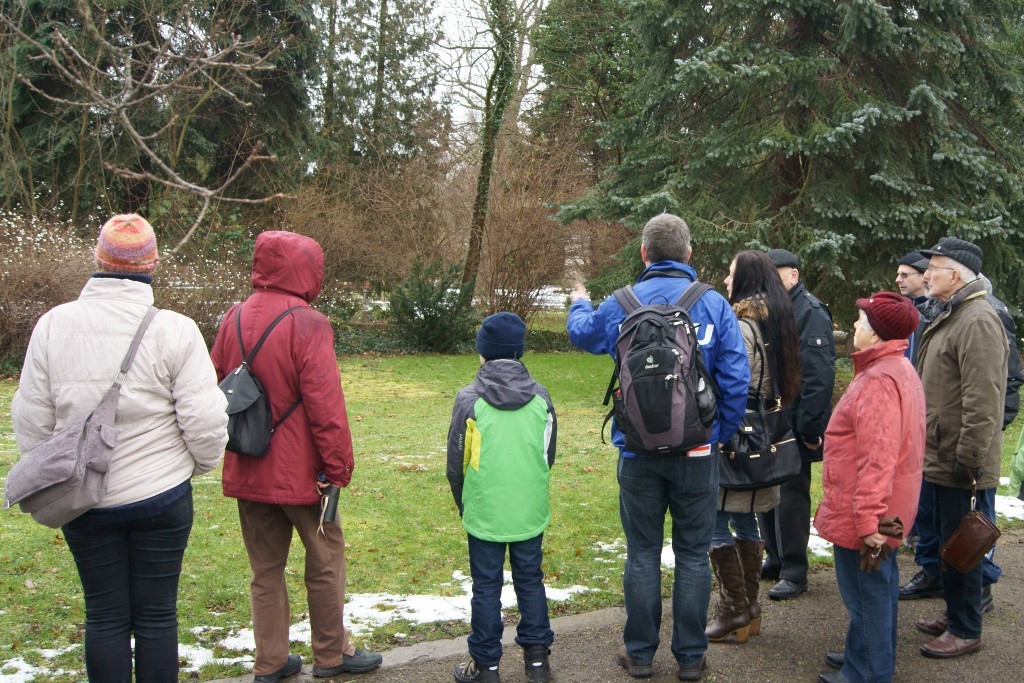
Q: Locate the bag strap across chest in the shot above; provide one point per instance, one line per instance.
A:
(108, 404)
(247, 358)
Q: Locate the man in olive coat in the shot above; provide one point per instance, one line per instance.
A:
(963, 363)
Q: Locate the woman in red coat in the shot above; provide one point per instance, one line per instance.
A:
(871, 471)
(278, 493)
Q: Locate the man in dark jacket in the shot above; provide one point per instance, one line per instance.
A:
(278, 494)
(910, 282)
(685, 484)
(787, 528)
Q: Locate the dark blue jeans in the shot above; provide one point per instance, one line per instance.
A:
(871, 599)
(129, 572)
(486, 564)
(687, 488)
(926, 552)
(962, 592)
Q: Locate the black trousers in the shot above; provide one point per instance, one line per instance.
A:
(787, 528)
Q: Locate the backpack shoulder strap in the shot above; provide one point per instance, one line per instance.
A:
(263, 338)
(627, 298)
(691, 294)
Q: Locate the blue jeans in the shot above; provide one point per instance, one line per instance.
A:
(486, 564)
(871, 599)
(926, 552)
(962, 592)
(688, 489)
(129, 572)
(744, 524)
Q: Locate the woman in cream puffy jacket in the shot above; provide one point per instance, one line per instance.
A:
(171, 424)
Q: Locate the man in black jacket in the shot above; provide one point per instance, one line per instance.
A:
(787, 528)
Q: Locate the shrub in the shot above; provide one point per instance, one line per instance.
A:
(201, 288)
(42, 264)
(432, 309)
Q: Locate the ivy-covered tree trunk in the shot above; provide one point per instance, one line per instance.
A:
(502, 23)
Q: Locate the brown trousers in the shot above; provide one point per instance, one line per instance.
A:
(267, 532)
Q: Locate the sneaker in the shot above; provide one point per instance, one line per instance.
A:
(635, 669)
(535, 659)
(357, 663)
(923, 585)
(467, 672)
(290, 668)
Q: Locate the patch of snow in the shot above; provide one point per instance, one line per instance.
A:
(1009, 507)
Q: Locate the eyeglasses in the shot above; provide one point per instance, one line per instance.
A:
(931, 268)
(904, 276)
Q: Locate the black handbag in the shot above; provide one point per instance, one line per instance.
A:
(763, 452)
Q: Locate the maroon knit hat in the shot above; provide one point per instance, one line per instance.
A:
(891, 315)
(126, 245)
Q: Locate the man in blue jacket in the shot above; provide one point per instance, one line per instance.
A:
(686, 485)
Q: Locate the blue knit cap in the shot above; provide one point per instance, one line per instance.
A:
(502, 335)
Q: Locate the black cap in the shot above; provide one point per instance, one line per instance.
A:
(959, 250)
(783, 258)
(915, 260)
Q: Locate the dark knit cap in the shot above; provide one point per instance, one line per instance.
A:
(891, 315)
(915, 260)
(783, 258)
(502, 335)
(959, 250)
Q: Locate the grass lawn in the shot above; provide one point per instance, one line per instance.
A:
(401, 526)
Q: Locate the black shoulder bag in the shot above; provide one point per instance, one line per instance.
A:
(763, 452)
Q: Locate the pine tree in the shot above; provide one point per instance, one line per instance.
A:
(848, 132)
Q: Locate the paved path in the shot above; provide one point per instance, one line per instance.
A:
(791, 647)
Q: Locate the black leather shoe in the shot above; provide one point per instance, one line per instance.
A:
(787, 590)
(923, 585)
(832, 677)
(986, 600)
(770, 572)
(835, 658)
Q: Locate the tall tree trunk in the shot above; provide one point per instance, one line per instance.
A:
(500, 88)
(383, 35)
(332, 65)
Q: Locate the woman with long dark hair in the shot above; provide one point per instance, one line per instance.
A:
(769, 333)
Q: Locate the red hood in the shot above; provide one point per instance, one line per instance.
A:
(289, 263)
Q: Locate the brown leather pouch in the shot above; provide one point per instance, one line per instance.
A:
(974, 537)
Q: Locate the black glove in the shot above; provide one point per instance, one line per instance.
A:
(965, 475)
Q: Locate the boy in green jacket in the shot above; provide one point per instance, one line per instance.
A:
(501, 445)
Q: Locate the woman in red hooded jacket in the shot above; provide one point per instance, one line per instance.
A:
(279, 492)
(872, 470)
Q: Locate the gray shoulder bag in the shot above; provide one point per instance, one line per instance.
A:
(66, 475)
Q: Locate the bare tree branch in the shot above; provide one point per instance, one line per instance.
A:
(133, 74)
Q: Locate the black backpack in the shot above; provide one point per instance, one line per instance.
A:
(250, 424)
(666, 400)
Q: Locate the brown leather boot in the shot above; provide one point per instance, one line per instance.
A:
(750, 557)
(731, 617)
